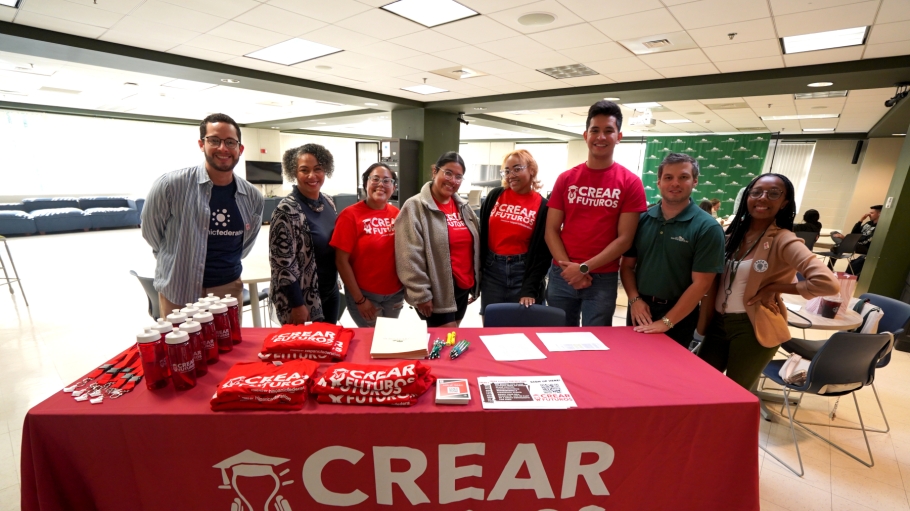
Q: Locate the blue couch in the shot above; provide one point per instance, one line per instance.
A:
(59, 214)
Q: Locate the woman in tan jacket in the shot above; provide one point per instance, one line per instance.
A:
(748, 319)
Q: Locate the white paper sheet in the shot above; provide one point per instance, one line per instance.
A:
(793, 307)
(511, 347)
(524, 393)
(571, 341)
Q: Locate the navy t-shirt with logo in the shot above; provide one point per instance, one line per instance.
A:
(225, 243)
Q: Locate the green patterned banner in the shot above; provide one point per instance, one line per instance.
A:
(726, 162)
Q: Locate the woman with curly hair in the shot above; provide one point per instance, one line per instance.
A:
(304, 285)
(513, 252)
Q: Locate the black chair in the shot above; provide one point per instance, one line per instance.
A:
(845, 250)
(150, 293)
(809, 237)
(516, 314)
(843, 365)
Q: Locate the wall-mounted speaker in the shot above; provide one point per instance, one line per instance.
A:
(859, 149)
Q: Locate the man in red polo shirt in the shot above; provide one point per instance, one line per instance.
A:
(594, 210)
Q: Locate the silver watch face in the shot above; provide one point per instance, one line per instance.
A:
(583, 268)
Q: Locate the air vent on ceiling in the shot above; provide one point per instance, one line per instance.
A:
(458, 72)
(60, 91)
(658, 43)
(817, 95)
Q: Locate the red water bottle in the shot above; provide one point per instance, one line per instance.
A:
(190, 310)
(208, 335)
(180, 357)
(234, 317)
(176, 318)
(154, 359)
(163, 328)
(198, 343)
(222, 326)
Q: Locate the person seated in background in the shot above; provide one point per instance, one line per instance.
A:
(513, 252)
(810, 223)
(715, 207)
(867, 229)
(364, 241)
(706, 205)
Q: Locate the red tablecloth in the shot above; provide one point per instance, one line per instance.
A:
(681, 436)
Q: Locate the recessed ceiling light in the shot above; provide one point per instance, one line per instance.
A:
(817, 130)
(293, 51)
(824, 40)
(641, 106)
(188, 85)
(230, 80)
(821, 84)
(536, 19)
(371, 104)
(571, 71)
(898, 134)
(479, 108)
(798, 117)
(430, 13)
(675, 121)
(424, 89)
(821, 95)
(611, 99)
(275, 127)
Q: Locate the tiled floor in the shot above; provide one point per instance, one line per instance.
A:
(86, 307)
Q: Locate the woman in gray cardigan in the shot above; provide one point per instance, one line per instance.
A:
(437, 247)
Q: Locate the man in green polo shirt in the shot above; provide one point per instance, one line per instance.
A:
(678, 250)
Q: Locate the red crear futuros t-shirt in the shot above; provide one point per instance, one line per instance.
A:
(265, 386)
(461, 245)
(316, 341)
(512, 222)
(368, 384)
(369, 236)
(592, 201)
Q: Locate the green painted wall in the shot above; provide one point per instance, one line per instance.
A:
(437, 131)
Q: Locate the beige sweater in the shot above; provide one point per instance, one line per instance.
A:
(422, 251)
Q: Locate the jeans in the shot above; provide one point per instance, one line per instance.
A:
(389, 306)
(594, 305)
(331, 303)
(730, 345)
(501, 282)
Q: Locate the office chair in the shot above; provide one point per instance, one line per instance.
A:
(809, 237)
(846, 249)
(150, 293)
(517, 315)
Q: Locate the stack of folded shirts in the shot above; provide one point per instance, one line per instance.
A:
(369, 384)
(317, 341)
(265, 386)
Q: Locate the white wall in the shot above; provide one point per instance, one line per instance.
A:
(831, 182)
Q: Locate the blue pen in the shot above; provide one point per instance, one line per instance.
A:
(458, 349)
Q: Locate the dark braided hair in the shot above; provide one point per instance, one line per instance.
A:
(742, 220)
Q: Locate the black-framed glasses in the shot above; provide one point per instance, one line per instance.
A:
(384, 181)
(773, 194)
(516, 169)
(215, 142)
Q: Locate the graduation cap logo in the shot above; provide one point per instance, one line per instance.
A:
(252, 464)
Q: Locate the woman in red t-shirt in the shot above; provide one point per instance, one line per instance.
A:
(512, 226)
(364, 241)
(437, 247)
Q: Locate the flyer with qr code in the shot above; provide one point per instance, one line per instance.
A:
(524, 393)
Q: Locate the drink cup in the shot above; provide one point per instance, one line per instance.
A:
(830, 306)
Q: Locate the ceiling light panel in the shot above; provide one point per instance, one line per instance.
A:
(9, 3)
(573, 71)
(430, 13)
(293, 51)
(675, 121)
(824, 40)
(798, 117)
(424, 89)
(817, 95)
(818, 130)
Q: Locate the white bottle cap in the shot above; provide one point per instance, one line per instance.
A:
(176, 317)
(148, 335)
(176, 337)
(217, 308)
(203, 317)
(201, 305)
(229, 300)
(190, 327)
(162, 327)
(210, 298)
(189, 311)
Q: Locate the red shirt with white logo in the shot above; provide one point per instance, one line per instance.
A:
(592, 201)
(461, 245)
(368, 235)
(512, 222)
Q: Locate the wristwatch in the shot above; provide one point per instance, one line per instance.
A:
(667, 322)
(633, 300)
(583, 268)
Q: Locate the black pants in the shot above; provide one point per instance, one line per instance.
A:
(441, 318)
(682, 330)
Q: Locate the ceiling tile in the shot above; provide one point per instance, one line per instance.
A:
(584, 81)
(8, 13)
(514, 47)
(427, 41)
(564, 17)
(746, 31)
(824, 56)
(466, 55)
(36, 20)
(874, 51)
(391, 25)
(755, 49)
(260, 65)
(340, 37)
(221, 8)
(426, 62)
(118, 6)
(893, 10)
(329, 12)
(642, 24)
(394, 69)
(170, 14)
(781, 7)
(689, 70)
(675, 58)
(387, 51)
(145, 28)
(499, 67)
(222, 45)
(822, 20)
(889, 33)
(509, 88)
(525, 77)
(571, 37)
(279, 20)
(476, 30)
(248, 34)
(201, 53)
(543, 60)
(635, 76)
(592, 11)
(488, 6)
(735, 66)
(707, 13)
(158, 41)
(349, 59)
(611, 66)
(552, 84)
(597, 52)
(72, 12)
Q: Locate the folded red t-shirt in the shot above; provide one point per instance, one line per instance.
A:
(316, 341)
(265, 386)
(400, 384)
